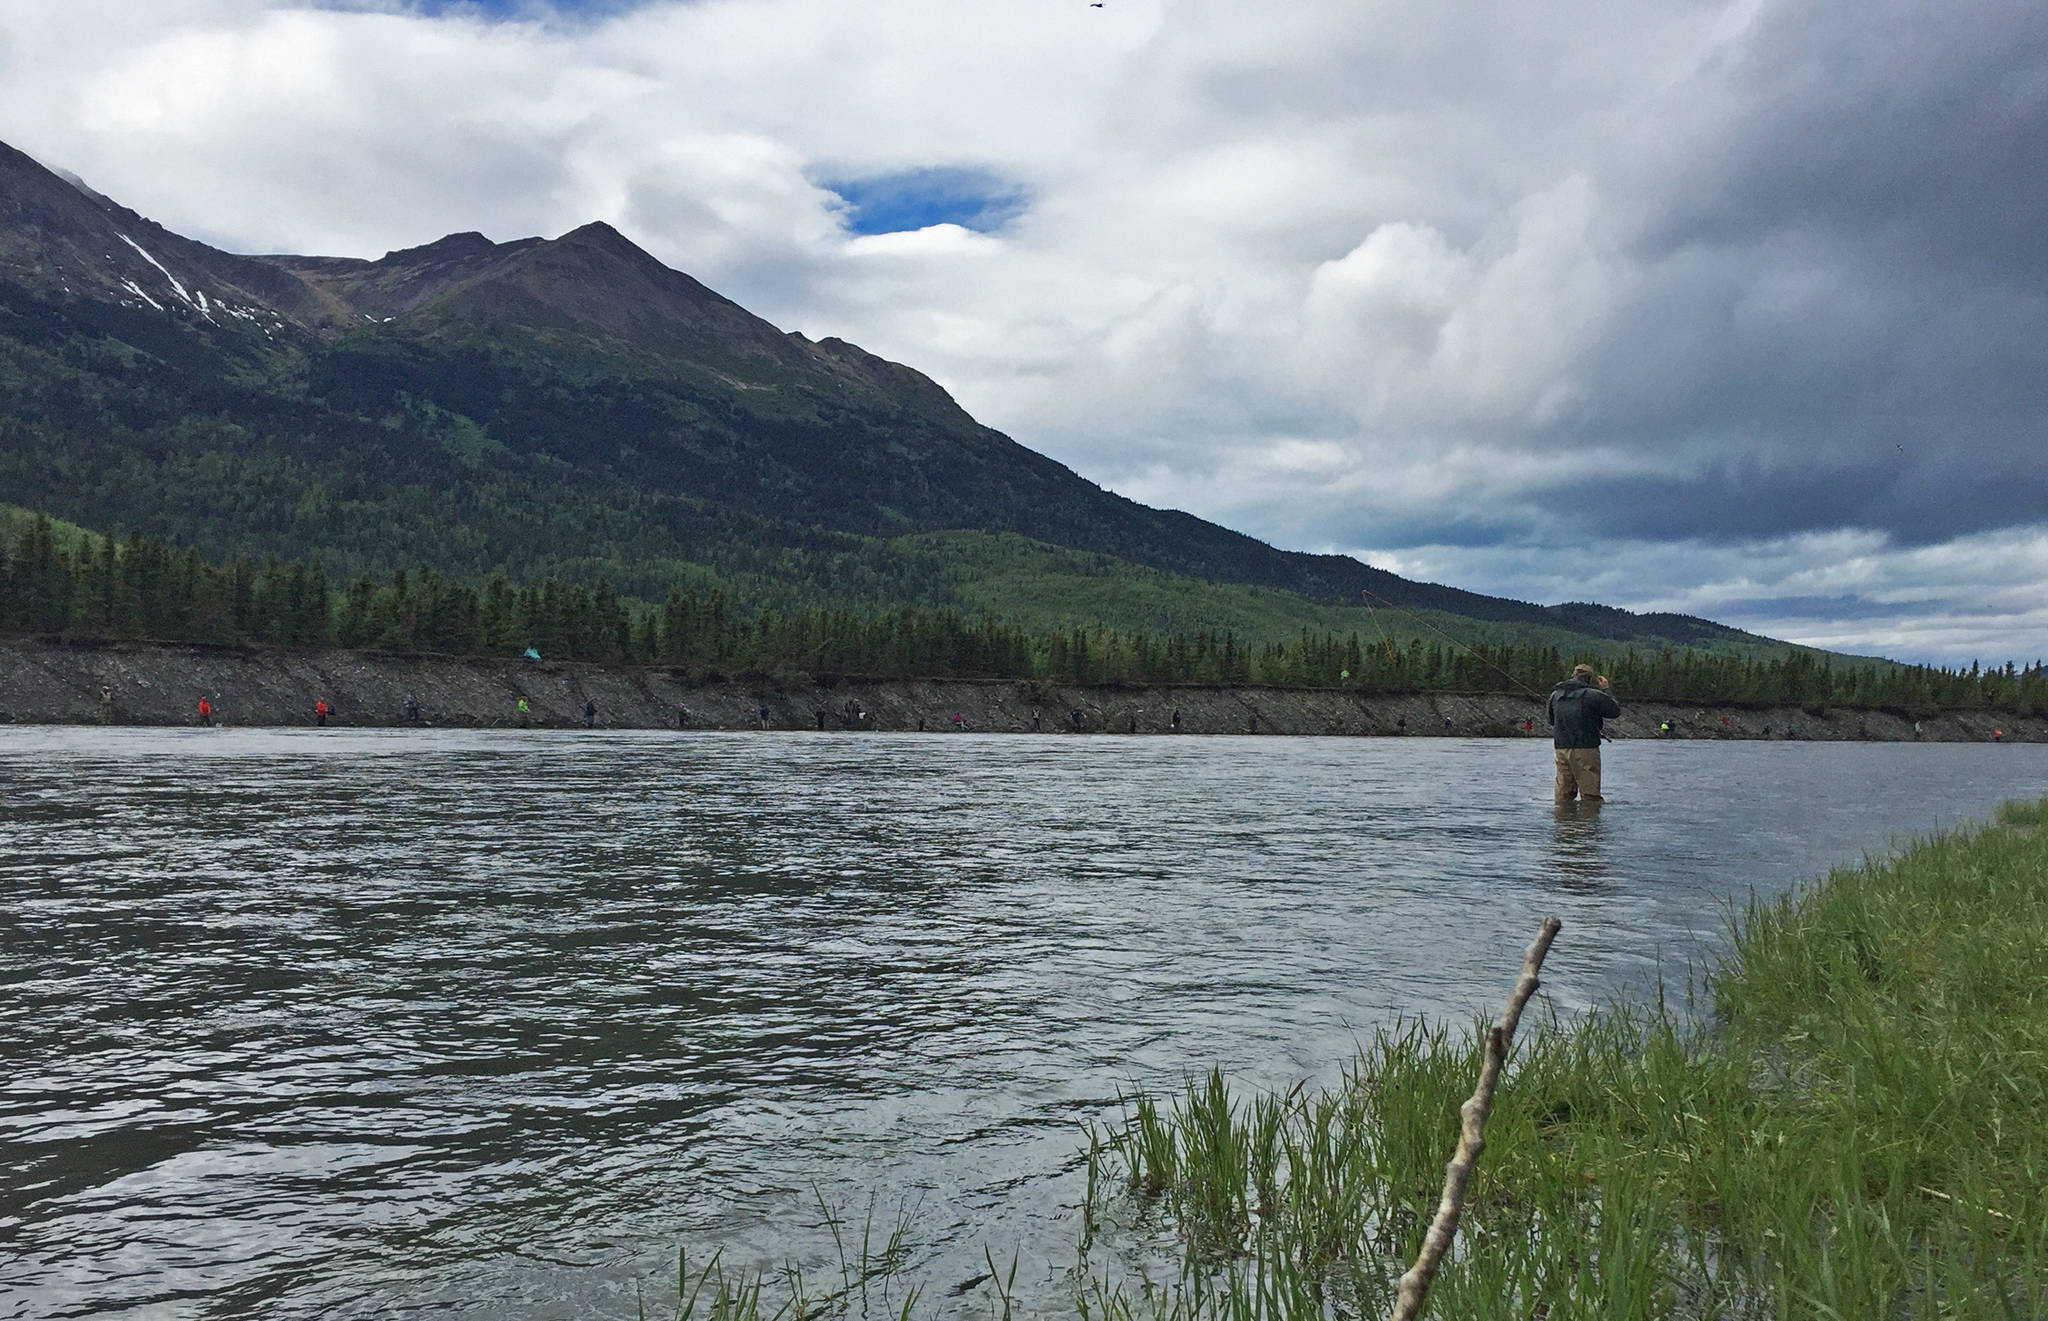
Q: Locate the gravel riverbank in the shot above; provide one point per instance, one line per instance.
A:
(46, 681)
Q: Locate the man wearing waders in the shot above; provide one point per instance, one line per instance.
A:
(1577, 708)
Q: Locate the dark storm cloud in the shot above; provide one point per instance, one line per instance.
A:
(1922, 127)
(1843, 309)
(1745, 499)
(1422, 528)
(1830, 607)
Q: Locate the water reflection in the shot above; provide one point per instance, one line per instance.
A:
(408, 1024)
(1577, 853)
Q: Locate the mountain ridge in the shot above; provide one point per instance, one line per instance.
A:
(537, 401)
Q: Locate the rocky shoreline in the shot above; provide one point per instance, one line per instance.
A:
(50, 681)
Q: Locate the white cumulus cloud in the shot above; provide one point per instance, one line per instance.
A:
(1672, 305)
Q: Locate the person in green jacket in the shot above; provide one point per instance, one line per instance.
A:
(1577, 708)
(525, 714)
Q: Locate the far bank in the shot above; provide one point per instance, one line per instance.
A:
(58, 682)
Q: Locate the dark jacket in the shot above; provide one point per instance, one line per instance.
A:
(1576, 710)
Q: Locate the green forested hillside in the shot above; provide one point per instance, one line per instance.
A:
(572, 409)
(380, 452)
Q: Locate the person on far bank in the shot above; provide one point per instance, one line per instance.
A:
(320, 712)
(1577, 708)
(205, 711)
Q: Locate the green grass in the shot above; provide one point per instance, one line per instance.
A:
(2023, 814)
(1852, 1124)
(868, 1284)
(1858, 1132)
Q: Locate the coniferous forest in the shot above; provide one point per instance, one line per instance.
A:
(138, 588)
(472, 448)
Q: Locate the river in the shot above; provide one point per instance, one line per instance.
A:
(425, 1024)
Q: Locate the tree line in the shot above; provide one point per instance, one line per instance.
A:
(79, 585)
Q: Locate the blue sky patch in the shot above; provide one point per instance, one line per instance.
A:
(503, 10)
(916, 199)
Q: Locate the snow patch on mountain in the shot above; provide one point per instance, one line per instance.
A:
(136, 289)
(197, 304)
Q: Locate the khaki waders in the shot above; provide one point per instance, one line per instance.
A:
(1578, 774)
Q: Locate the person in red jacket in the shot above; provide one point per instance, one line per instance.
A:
(320, 710)
(205, 711)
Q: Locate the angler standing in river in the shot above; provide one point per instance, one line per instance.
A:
(1577, 708)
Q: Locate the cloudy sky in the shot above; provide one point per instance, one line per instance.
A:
(1739, 309)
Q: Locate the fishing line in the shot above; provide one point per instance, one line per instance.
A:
(1393, 656)
(1369, 596)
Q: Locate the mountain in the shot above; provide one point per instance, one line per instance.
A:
(567, 406)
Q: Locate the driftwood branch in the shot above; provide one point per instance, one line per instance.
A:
(1414, 1286)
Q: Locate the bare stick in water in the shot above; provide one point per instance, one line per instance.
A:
(1414, 1286)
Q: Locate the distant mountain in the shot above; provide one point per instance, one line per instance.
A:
(568, 405)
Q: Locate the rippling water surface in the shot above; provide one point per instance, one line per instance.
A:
(351, 1024)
